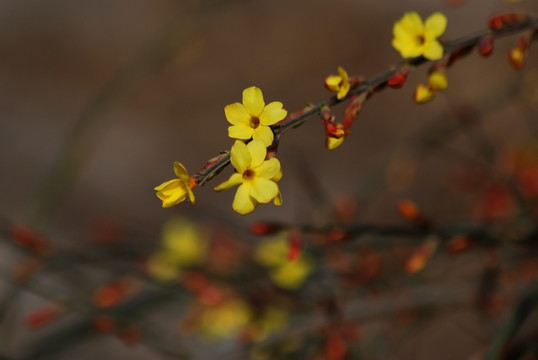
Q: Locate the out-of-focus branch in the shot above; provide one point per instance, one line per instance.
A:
(507, 332)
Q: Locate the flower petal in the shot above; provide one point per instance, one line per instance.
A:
(173, 198)
(190, 194)
(433, 50)
(274, 105)
(165, 184)
(181, 171)
(253, 100)
(235, 179)
(240, 156)
(399, 31)
(278, 176)
(344, 89)
(243, 203)
(412, 23)
(268, 169)
(278, 199)
(264, 135)
(435, 25)
(240, 131)
(343, 73)
(257, 151)
(272, 114)
(332, 82)
(263, 190)
(332, 142)
(407, 47)
(237, 114)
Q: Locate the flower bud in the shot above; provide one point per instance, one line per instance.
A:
(397, 80)
(295, 249)
(423, 94)
(42, 316)
(265, 228)
(517, 58)
(409, 210)
(437, 80)
(485, 47)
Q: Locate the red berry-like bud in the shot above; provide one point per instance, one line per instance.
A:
(265, 228)
(397, 80)
(42, 317)
(458, 243)
(336, 235)
(485, 48)
(408, 210)
(103, 323)
(496, 22)
(295, 246)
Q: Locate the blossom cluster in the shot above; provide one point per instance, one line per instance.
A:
(256, 172)
(255, 125)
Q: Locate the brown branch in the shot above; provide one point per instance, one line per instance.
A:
(453, 49)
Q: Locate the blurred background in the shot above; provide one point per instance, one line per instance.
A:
(99, 98)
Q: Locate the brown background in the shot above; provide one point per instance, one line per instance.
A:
(128, 87)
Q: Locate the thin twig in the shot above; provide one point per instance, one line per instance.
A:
(377, 83)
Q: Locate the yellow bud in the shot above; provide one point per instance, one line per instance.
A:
(437, 80)
(423, 94)
(332, 142)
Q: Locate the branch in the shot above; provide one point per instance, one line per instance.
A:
(453, 49)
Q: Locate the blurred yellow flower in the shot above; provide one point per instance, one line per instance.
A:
(257, 178)
(182, 244)
(338, 83)
(252, 118)
(273, 253)
(414, 38)
(293, 274)
(225, 319)
(162, 267)
(272, 320)
(174, 191)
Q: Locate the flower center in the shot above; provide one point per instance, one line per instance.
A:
(421, 39)
(248, 174)
(254, 122)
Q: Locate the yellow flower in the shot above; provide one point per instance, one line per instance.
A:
(225, 319)
(183, 241)
(272, 252)
(183, 244)
(252, 118)
(174, 191)
(414, 38)
(292, 274)
(255, 176)
(339, 83)
(287, 274)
